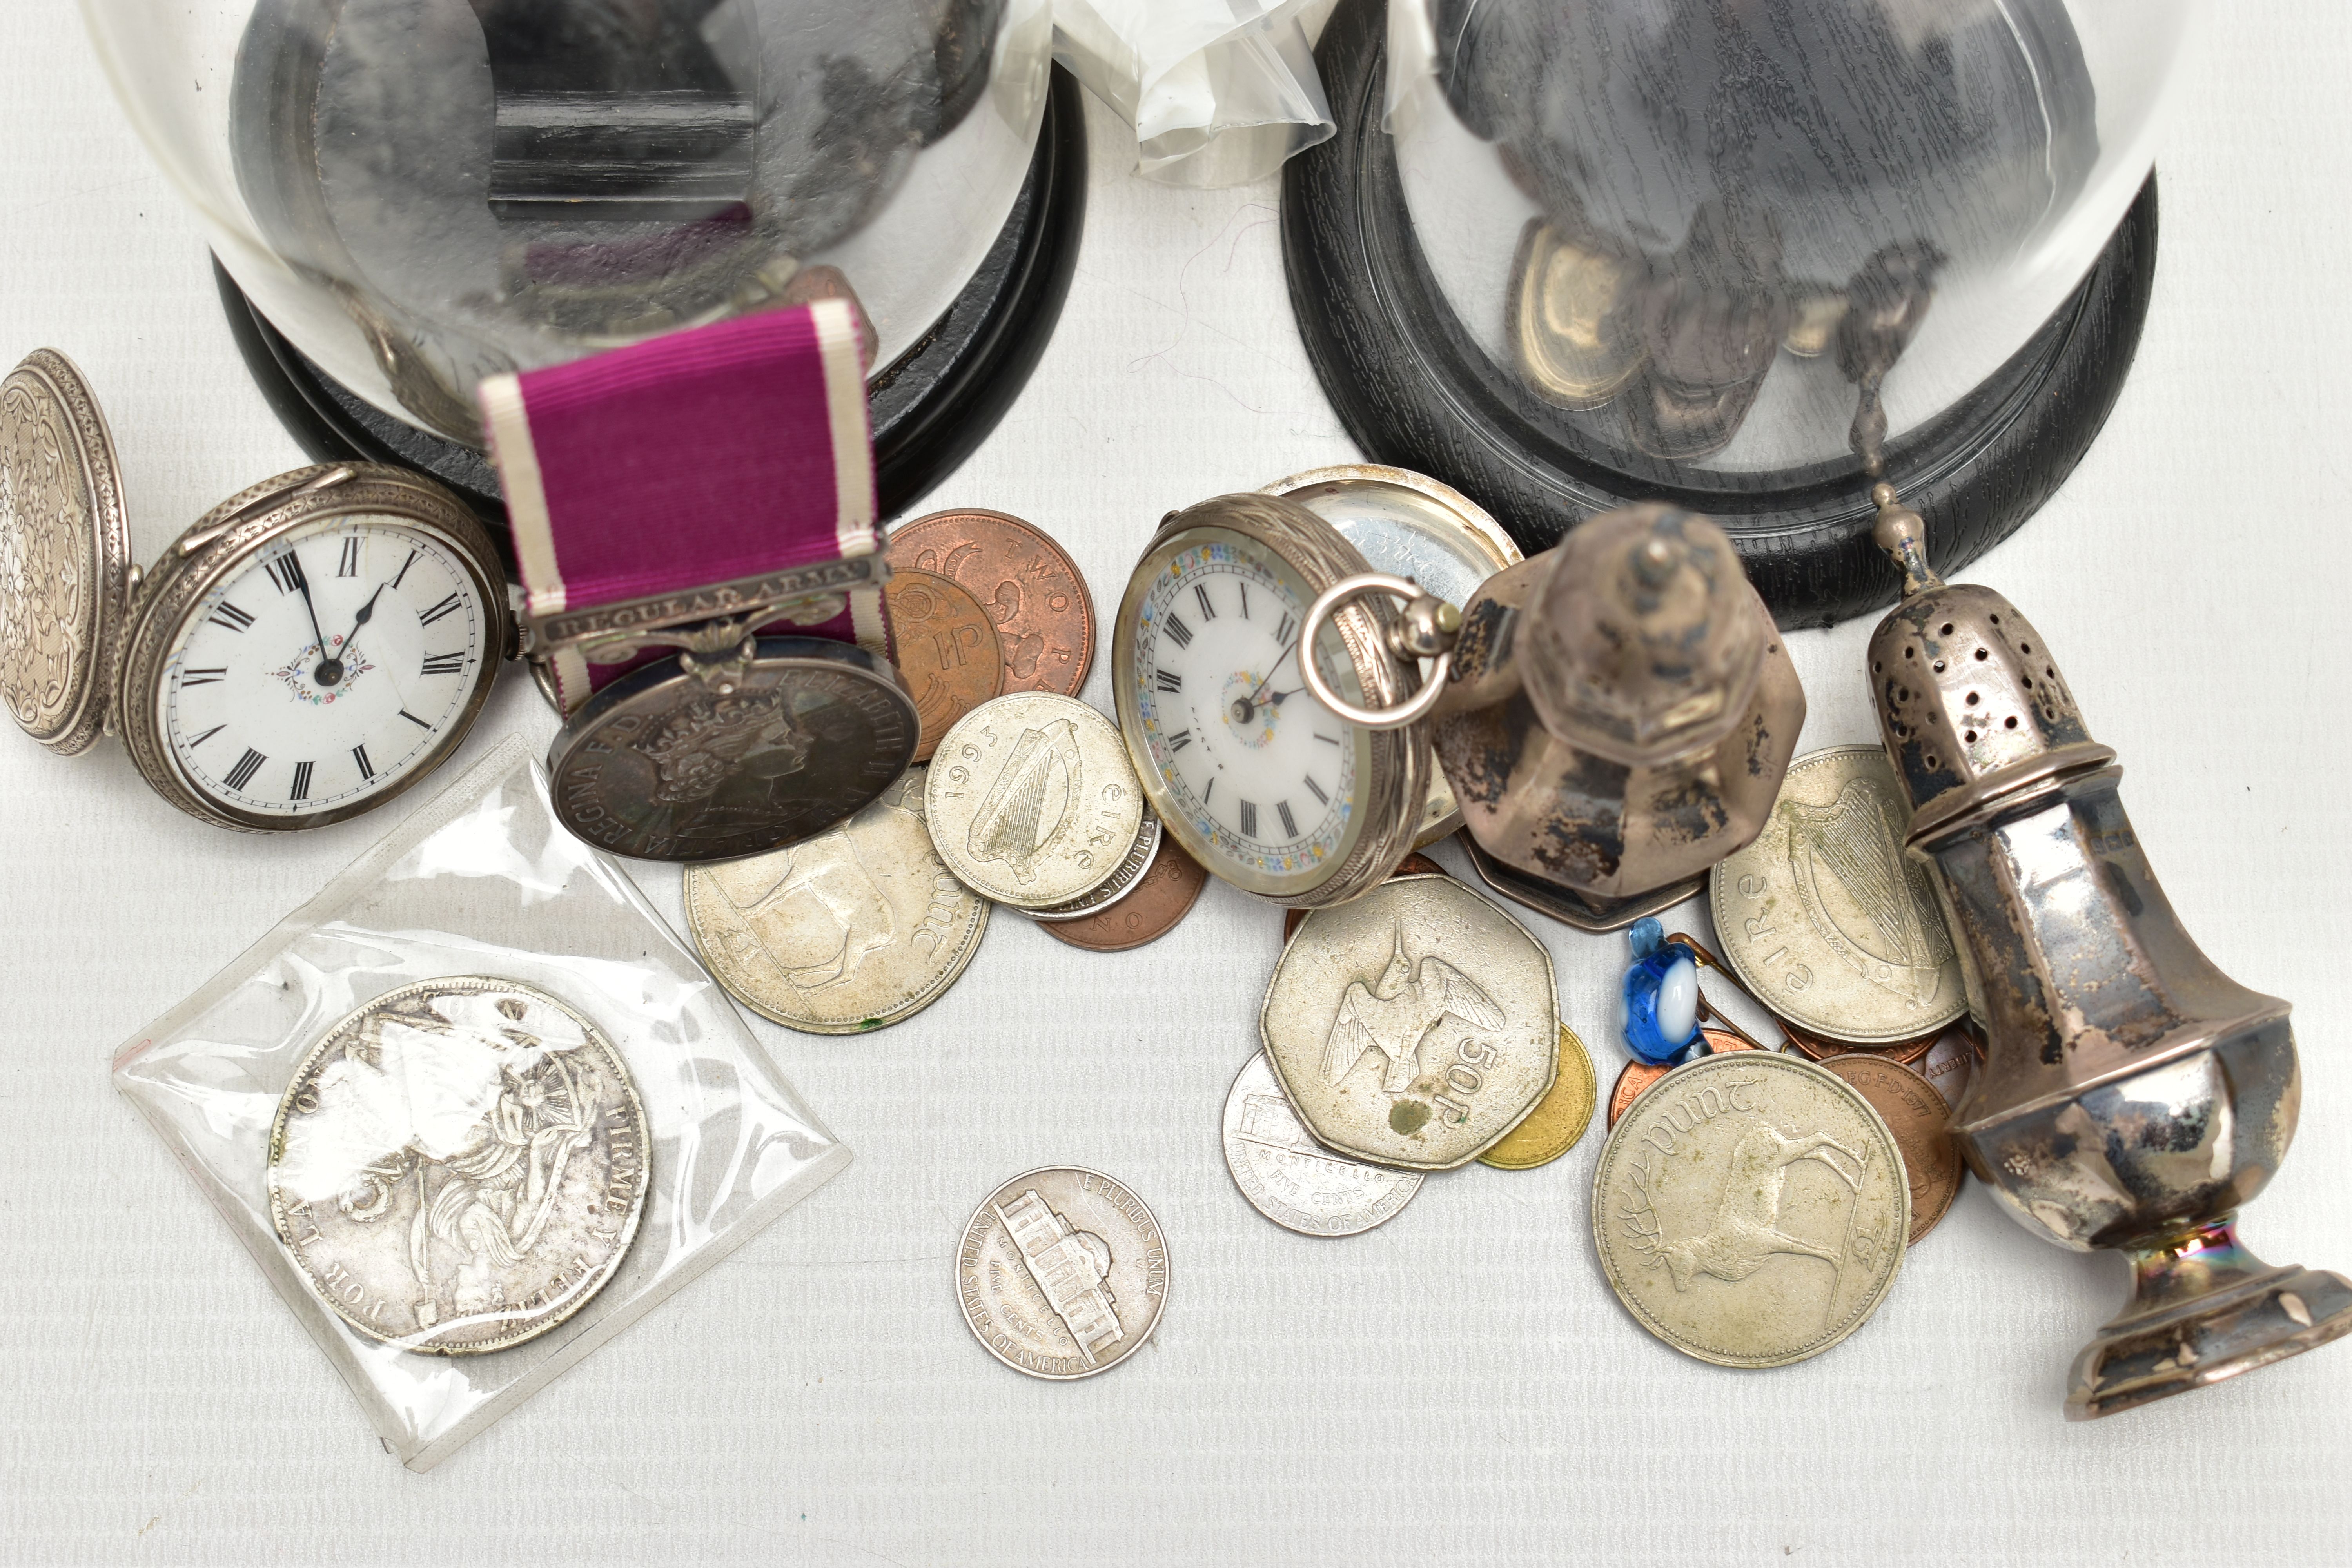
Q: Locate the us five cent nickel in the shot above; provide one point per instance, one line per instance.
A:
(1062, 1272)
(859, 927)
(1751, 1209)
(1031, 800)
(1293, 1180)
(460, 1166)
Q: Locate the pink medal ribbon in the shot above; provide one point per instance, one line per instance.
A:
(713, 455)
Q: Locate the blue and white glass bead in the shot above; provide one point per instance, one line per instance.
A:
(1661, 996)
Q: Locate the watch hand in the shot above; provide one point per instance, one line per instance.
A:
(302, 581)
(330, 671)
(1245, 708)
(1269, 674)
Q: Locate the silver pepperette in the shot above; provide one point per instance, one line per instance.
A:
(1618, 717)
(2133, 1096)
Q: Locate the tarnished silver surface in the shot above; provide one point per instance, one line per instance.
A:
(1031, 800)
(1412, 1027)
(1825, 918)
(1132, 869)
(1293, 1180)
(861, 926)
(1252, 777)
(64, 554)
(686, 761)
(1751, 1209)
(1062, 1272)
(2132, 1095)
(1621, 710)
(1410, 525)
(459, 1165)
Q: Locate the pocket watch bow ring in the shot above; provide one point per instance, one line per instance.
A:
(1257, 666)
(311, 647)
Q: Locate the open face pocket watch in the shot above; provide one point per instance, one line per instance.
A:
(1305, 786)
(311, 647)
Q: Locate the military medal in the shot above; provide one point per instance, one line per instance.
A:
(308, 650)
(713, 623)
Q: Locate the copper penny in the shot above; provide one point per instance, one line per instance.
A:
(946, 651)
(1919, 1119)
(1822, 1048)
(1639, 1076)
(1029, 590)
(1413, 865)
(1161, 899)
(1951, 1065)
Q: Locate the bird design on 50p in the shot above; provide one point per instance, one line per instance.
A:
(1396, 1012)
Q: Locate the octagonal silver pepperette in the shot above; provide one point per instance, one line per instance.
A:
(2133, 1096)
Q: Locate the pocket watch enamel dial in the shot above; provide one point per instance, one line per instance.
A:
(316, 667)
(311, 647)
(1251, 774)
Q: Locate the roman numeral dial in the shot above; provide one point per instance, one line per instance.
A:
(324, 669)
(1248, 772)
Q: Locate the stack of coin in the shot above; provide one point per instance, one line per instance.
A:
(982, 603)
(1832, 927)
(1412, 1030)
(1031, 802)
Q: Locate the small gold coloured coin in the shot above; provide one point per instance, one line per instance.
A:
(1825, 918)
(1031, 800)
(1573, 317)
(1557, 1122)
(1751, 1209)
(859, 927)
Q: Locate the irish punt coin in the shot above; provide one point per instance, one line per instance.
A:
(1751, 1209)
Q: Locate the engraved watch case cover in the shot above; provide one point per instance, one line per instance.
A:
(696, 761)
(1381, 800)
(1410, 525)
(64, 554)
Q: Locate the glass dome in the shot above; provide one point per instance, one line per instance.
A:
(1760, 241)
(421, 193)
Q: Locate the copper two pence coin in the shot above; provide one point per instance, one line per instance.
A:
(1822, 1048)
(1413, 865)
(1918, 1118)
(948, 651)
(1030, 592)
(1639, 1076)
(1159, 902)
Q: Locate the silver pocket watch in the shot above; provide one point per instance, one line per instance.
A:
(311, 647)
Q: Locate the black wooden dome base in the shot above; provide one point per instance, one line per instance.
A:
(1414, 389)
(930, 407)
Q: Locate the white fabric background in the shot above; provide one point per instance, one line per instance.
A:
(1459, 1386)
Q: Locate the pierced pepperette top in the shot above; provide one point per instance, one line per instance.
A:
(1970, 700)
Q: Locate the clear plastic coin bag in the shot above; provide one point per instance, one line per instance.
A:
(474, 1110)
